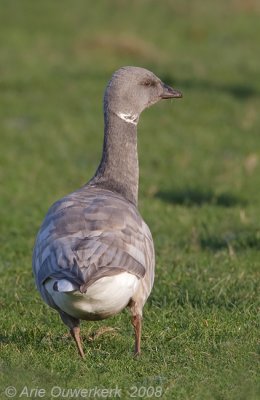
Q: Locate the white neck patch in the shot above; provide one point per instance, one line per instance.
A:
(129, 118)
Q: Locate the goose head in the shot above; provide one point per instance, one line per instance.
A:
(133, 89)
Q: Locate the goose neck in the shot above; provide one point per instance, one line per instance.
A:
(118, 170)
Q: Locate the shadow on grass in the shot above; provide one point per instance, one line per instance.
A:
(237, 241)
(227, 297)
(20, 338)
(196, 197)
(4, 339)
(238, 91)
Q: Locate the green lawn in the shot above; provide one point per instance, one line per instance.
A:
(199, 191)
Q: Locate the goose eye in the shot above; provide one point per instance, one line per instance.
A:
(149, 82)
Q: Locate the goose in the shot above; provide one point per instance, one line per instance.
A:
(94, 255)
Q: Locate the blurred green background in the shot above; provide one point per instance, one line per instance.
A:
(199, 188)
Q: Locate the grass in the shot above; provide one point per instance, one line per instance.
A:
(199, 191)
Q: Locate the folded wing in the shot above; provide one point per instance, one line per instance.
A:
(88, 235)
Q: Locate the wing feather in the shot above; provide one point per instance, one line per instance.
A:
(90, 234)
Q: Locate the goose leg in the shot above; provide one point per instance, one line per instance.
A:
(73, 325)
(137, 324)
(75, 333)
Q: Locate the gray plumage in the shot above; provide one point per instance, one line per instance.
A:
(90, 234)
(94, 241)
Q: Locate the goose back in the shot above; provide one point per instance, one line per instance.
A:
(90, 234)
